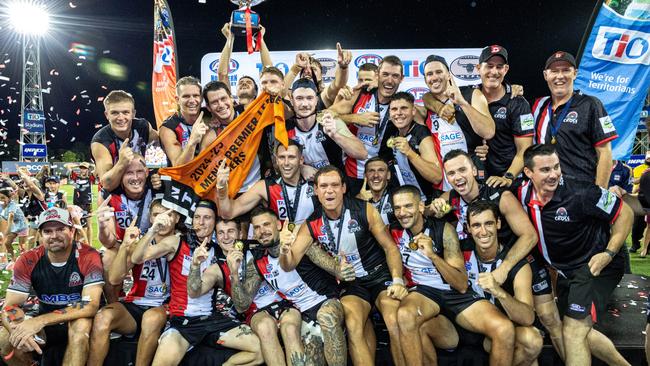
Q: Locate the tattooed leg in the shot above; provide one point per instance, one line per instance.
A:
(242, 338)
(290, 324)
(330, 317)
(267, 331)
(314, 351)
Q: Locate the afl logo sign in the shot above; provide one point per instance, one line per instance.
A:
(368, 58)
(417, 93)
(464, 68)
(234, 66)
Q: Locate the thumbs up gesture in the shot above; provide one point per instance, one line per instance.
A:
(125, 153)
(286, 239)
(345, 271)
(200, 253)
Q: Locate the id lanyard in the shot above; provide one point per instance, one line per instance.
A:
(555, 125)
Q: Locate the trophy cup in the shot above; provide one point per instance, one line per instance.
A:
(238, 19)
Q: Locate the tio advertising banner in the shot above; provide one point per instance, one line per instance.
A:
(462, 64)
(34, 121)
(615, 68)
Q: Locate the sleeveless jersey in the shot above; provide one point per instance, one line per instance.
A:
(304, 292)
(150, 283)
(418, 269)
(301, 199)
(82, 188)
(370, 136)
(181, 304)
(350, 236)
(126, 210)
(138, 140)
(319, 150)
(182, 130)
(384, 207)
(446, 137)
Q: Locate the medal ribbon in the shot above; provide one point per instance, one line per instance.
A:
(555, 124)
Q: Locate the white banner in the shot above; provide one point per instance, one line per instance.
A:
(462, 64)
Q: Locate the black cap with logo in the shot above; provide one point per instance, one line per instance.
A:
(494, 50)
(560, 56)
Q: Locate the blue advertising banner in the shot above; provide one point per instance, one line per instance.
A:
(34, 121)
(615, 68)
(34, 151)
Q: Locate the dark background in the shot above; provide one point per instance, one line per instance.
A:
(122, 30)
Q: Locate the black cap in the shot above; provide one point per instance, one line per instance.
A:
(494, 50)
(432, 58)
(560, 56)
(304, 83)
(207, 204)
(52, 178)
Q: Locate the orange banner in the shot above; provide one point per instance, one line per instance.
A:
(238, 144)
(163, 77)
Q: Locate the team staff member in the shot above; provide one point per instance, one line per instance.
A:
(435, 270)
(576, 123)
(113, 146)
(514, 296)
(581, 229)
(352, 230)
(141, 312)
(324, 142)
(377, 178)
(67, 277)
(513, 120)
(410, 147)
(182, 132)
(289, 196)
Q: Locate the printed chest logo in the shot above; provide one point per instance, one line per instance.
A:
(75, 280)
(572, 118)
(353, 226)
(562, 215)
(501, 113)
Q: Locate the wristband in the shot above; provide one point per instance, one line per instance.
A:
(610, 253)
(398, 281)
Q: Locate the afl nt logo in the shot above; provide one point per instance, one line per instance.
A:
(464, 68)
(373, 59)
(232, 68)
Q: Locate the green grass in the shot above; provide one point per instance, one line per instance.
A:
(639, 265)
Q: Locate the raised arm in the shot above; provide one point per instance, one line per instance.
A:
(339, 132)
(110, 175)
(265, 55)
(340, 78)
(477, 112)
(226, 52)
(293, 246)
(229, 208)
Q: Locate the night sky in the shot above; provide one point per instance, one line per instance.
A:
(122, 31)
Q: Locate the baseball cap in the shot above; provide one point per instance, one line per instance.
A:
(84, 165)
(52, 178)
(54, 214)
(560, 56)
(432, 58)
(207, 204)
(494, 50)
(304, 83)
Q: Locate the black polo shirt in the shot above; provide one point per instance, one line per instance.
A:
(575, 224)
(585, 126)
(512, 118)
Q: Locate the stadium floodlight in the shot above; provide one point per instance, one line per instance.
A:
(28, 18)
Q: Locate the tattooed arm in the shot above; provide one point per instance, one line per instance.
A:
(452, 268)
(322, 259)
(199, 284)
(243, 293)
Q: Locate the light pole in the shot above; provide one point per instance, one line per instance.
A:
(31, 21)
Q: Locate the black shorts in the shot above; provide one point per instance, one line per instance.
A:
(310, 315)
(580, 294)
(205, 330)
(369, 289)
(136, 312)
(275, 310)
(541, 276)
(56, 335)
(451, 302)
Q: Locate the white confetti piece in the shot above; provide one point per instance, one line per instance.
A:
(5, 78)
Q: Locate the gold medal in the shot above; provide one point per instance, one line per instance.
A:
(446, 208)
(413, 245)
(391, 142)
(239, 245)
(291, 226)
(553, 141)
(164, 288)
(375, 140)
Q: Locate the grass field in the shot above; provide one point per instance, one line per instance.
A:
(639, 265)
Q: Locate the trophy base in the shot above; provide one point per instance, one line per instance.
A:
(238, 22)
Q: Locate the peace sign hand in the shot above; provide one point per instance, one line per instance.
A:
(200, 253)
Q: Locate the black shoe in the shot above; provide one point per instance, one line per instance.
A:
(634, 248)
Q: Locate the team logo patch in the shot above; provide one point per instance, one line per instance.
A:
(606, 124)
(310, 191)
(269, 268)
(562, 215)
(501, 113)
(571, 117)
(123, 207)
(607, 201)
(353, 226)
(320, 136)
(540, 286)
(75, 280)
(527, 122)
